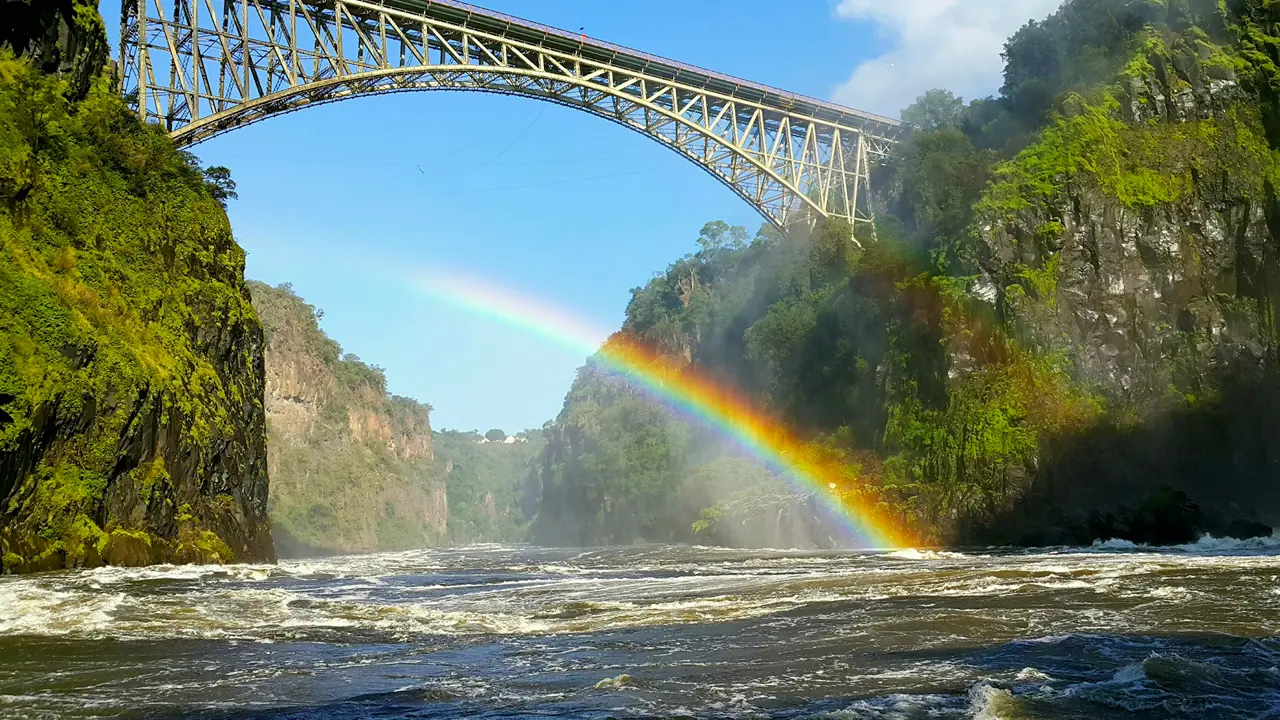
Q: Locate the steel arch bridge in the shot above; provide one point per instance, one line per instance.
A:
(201, 68)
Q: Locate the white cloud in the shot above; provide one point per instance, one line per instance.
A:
(952, 44)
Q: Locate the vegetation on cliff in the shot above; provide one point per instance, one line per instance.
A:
(355, 469)
(486, 483)
(131, 424)
(1065, 331)
(352, 467)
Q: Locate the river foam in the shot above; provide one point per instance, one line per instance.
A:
(722, 633)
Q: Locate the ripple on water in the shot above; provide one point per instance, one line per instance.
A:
(910, 634)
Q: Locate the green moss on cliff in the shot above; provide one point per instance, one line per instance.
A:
(117, 272)
(1142, 165)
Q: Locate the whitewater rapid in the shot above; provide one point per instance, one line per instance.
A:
(658, 631)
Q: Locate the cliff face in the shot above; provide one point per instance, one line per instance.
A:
(1146, 256)
(1146, 287)
(352, 469)
(62, 37)
(131, 361)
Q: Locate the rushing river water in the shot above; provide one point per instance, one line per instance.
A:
(657, 632)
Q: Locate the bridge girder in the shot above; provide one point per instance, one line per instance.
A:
(204, 67)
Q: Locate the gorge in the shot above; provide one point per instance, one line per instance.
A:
(1011, 451)
(1063, 333)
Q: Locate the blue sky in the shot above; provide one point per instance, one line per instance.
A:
(340, 200)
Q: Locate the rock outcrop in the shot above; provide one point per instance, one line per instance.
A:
(61, 37)
(1148, 261)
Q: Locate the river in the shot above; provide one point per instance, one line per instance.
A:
(1111, 631)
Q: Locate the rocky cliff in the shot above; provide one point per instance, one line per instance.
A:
(131, 361)
(1136, 239)
(60, 37)
(352, 468)
(1065, 332)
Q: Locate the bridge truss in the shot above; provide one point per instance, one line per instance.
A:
(201, 68)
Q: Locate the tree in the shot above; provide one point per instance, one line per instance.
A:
(220, 184)
(941, 177)
(935, 110)
(495, 435)
(719, 235)
(1033, 65)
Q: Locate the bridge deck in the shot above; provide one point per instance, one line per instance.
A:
(564, 41)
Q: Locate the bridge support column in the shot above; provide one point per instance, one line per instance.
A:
(143, 62)
(863, 211)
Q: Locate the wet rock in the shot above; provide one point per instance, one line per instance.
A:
(192, 554)
(12, 564)
(1168, 517)
(1247, 530)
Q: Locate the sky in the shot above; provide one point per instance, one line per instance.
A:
(348, 202)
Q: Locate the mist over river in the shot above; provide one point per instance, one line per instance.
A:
(1110, 631)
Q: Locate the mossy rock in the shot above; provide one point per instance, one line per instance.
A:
(193, 554)
(130, 548)
(48, 561)
(130, 355)
(83, 543)
(202, 548)
(13, 563)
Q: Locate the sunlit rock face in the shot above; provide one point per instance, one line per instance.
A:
(351, 468)
(1143, 291)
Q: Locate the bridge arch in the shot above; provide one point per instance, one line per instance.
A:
(200, 71)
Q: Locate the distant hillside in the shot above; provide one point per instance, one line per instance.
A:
(352, 468)
(486, 481)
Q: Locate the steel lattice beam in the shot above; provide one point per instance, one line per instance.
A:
(203, 67)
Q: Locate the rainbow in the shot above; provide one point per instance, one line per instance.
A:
(698, 398)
